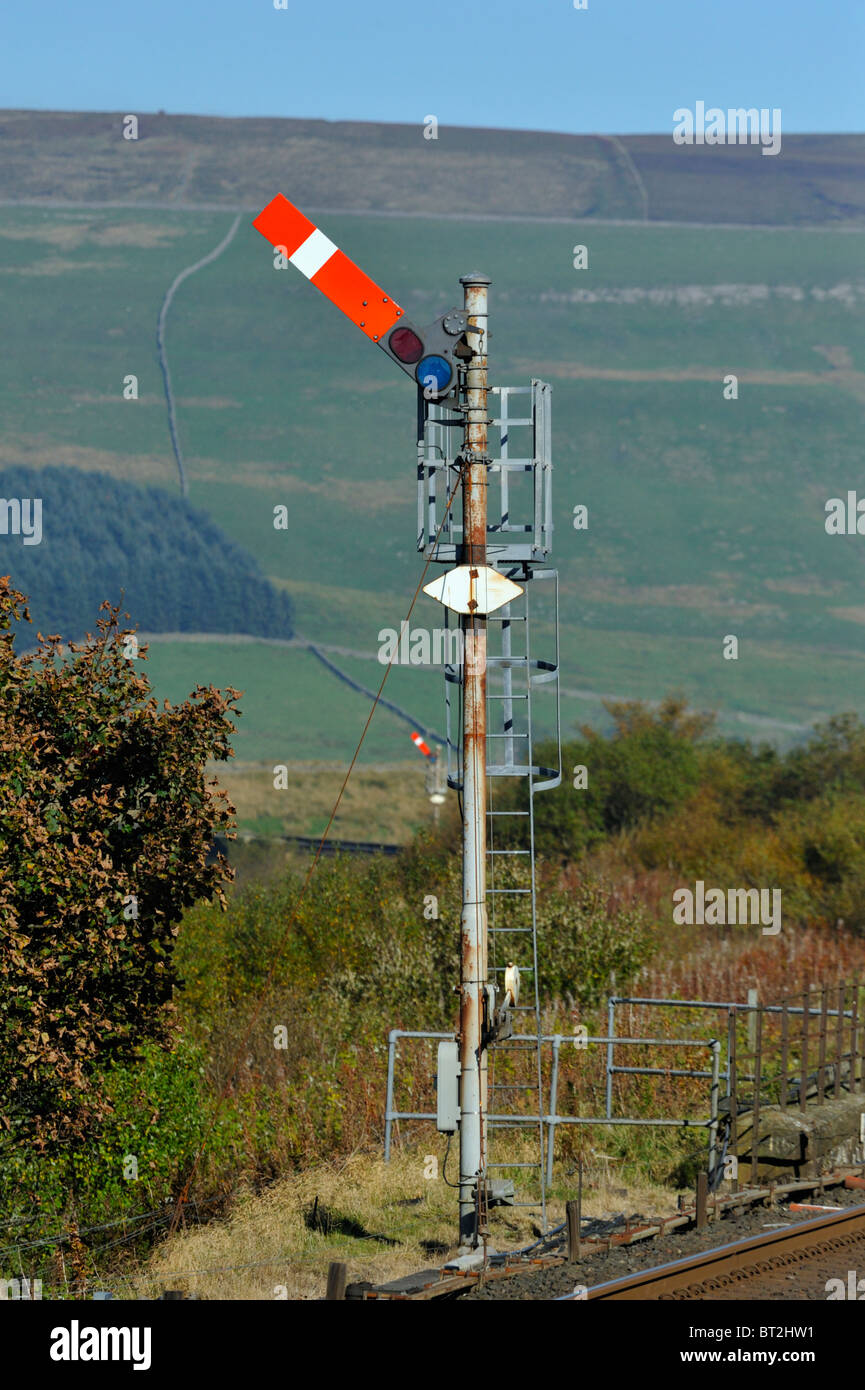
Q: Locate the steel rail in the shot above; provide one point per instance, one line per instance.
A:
(696, 1275)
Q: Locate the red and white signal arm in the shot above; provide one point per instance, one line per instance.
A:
(329, 269)
(426, 355)
(421, 745)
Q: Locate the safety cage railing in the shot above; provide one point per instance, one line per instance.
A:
(519, 475)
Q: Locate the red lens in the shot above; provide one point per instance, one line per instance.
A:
(405, 345)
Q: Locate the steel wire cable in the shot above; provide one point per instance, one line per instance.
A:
(242, 1049)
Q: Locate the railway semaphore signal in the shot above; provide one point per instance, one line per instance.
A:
(430, 356)
(489, 566)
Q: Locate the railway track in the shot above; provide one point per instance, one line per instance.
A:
(791, 1264)
(750, 1269)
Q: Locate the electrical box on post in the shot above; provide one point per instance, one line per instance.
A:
(447, 1088)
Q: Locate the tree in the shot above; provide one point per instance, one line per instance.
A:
(106, 819)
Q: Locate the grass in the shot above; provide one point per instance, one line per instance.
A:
(265, 1248)
(706, 516)
(293, 709)
(381, 802)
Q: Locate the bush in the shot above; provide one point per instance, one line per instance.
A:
(106, 820)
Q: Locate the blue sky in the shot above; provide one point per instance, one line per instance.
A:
(621, 66)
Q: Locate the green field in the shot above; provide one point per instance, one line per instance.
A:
(706, 515)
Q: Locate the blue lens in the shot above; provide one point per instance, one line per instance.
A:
(434, 372)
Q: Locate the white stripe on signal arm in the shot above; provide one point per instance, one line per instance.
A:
(313, 253)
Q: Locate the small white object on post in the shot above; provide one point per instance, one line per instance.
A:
(473, 589)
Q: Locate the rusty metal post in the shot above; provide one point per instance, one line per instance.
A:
(473, 925)
(821, 1063)
(806, 1016)
(572, 1216)
(785, 1048)
(839, 1038)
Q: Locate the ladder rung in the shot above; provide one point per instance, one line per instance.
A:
(507, 697)
(508, 851)
(524, 969)
(506, 892)
(509, 930)
(515, 1165)
(500, 618)
(507, 813)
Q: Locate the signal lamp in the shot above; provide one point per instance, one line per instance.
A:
(434, 373)
(405, 345)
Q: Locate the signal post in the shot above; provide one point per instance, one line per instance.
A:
(473, 922)
(447, 361)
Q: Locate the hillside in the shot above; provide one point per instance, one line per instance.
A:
(367, 166)
(169, 566)
(706, 515)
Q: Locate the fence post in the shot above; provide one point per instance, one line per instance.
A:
(391, 1050)
(702, 1198)
(785, 1038)
(611, 1030)
(753, 1001)
(574, 1215)
(554, 1094)
(803, 1079)
(713, 1111)
(337, 1277)
(733, 1065)
(572, 1210)
(755, 1114)
(824, 1019)
(839, 1037)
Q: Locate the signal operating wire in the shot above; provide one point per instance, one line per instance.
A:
(242, 1049)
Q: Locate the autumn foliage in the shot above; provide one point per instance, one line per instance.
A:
(106, 820)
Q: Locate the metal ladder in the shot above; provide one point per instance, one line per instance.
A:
(518, 543)
(516, 1085)
(513, 676)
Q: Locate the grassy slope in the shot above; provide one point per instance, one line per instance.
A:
(292, 709)
(706, 515)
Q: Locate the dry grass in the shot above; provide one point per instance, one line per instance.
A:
(266, 1249)
(382, 802)
(70, 235)
(266, 1244)
(40, 451)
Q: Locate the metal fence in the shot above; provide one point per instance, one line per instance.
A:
(802, 1048)
(805, 1047)
(552, 1119)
